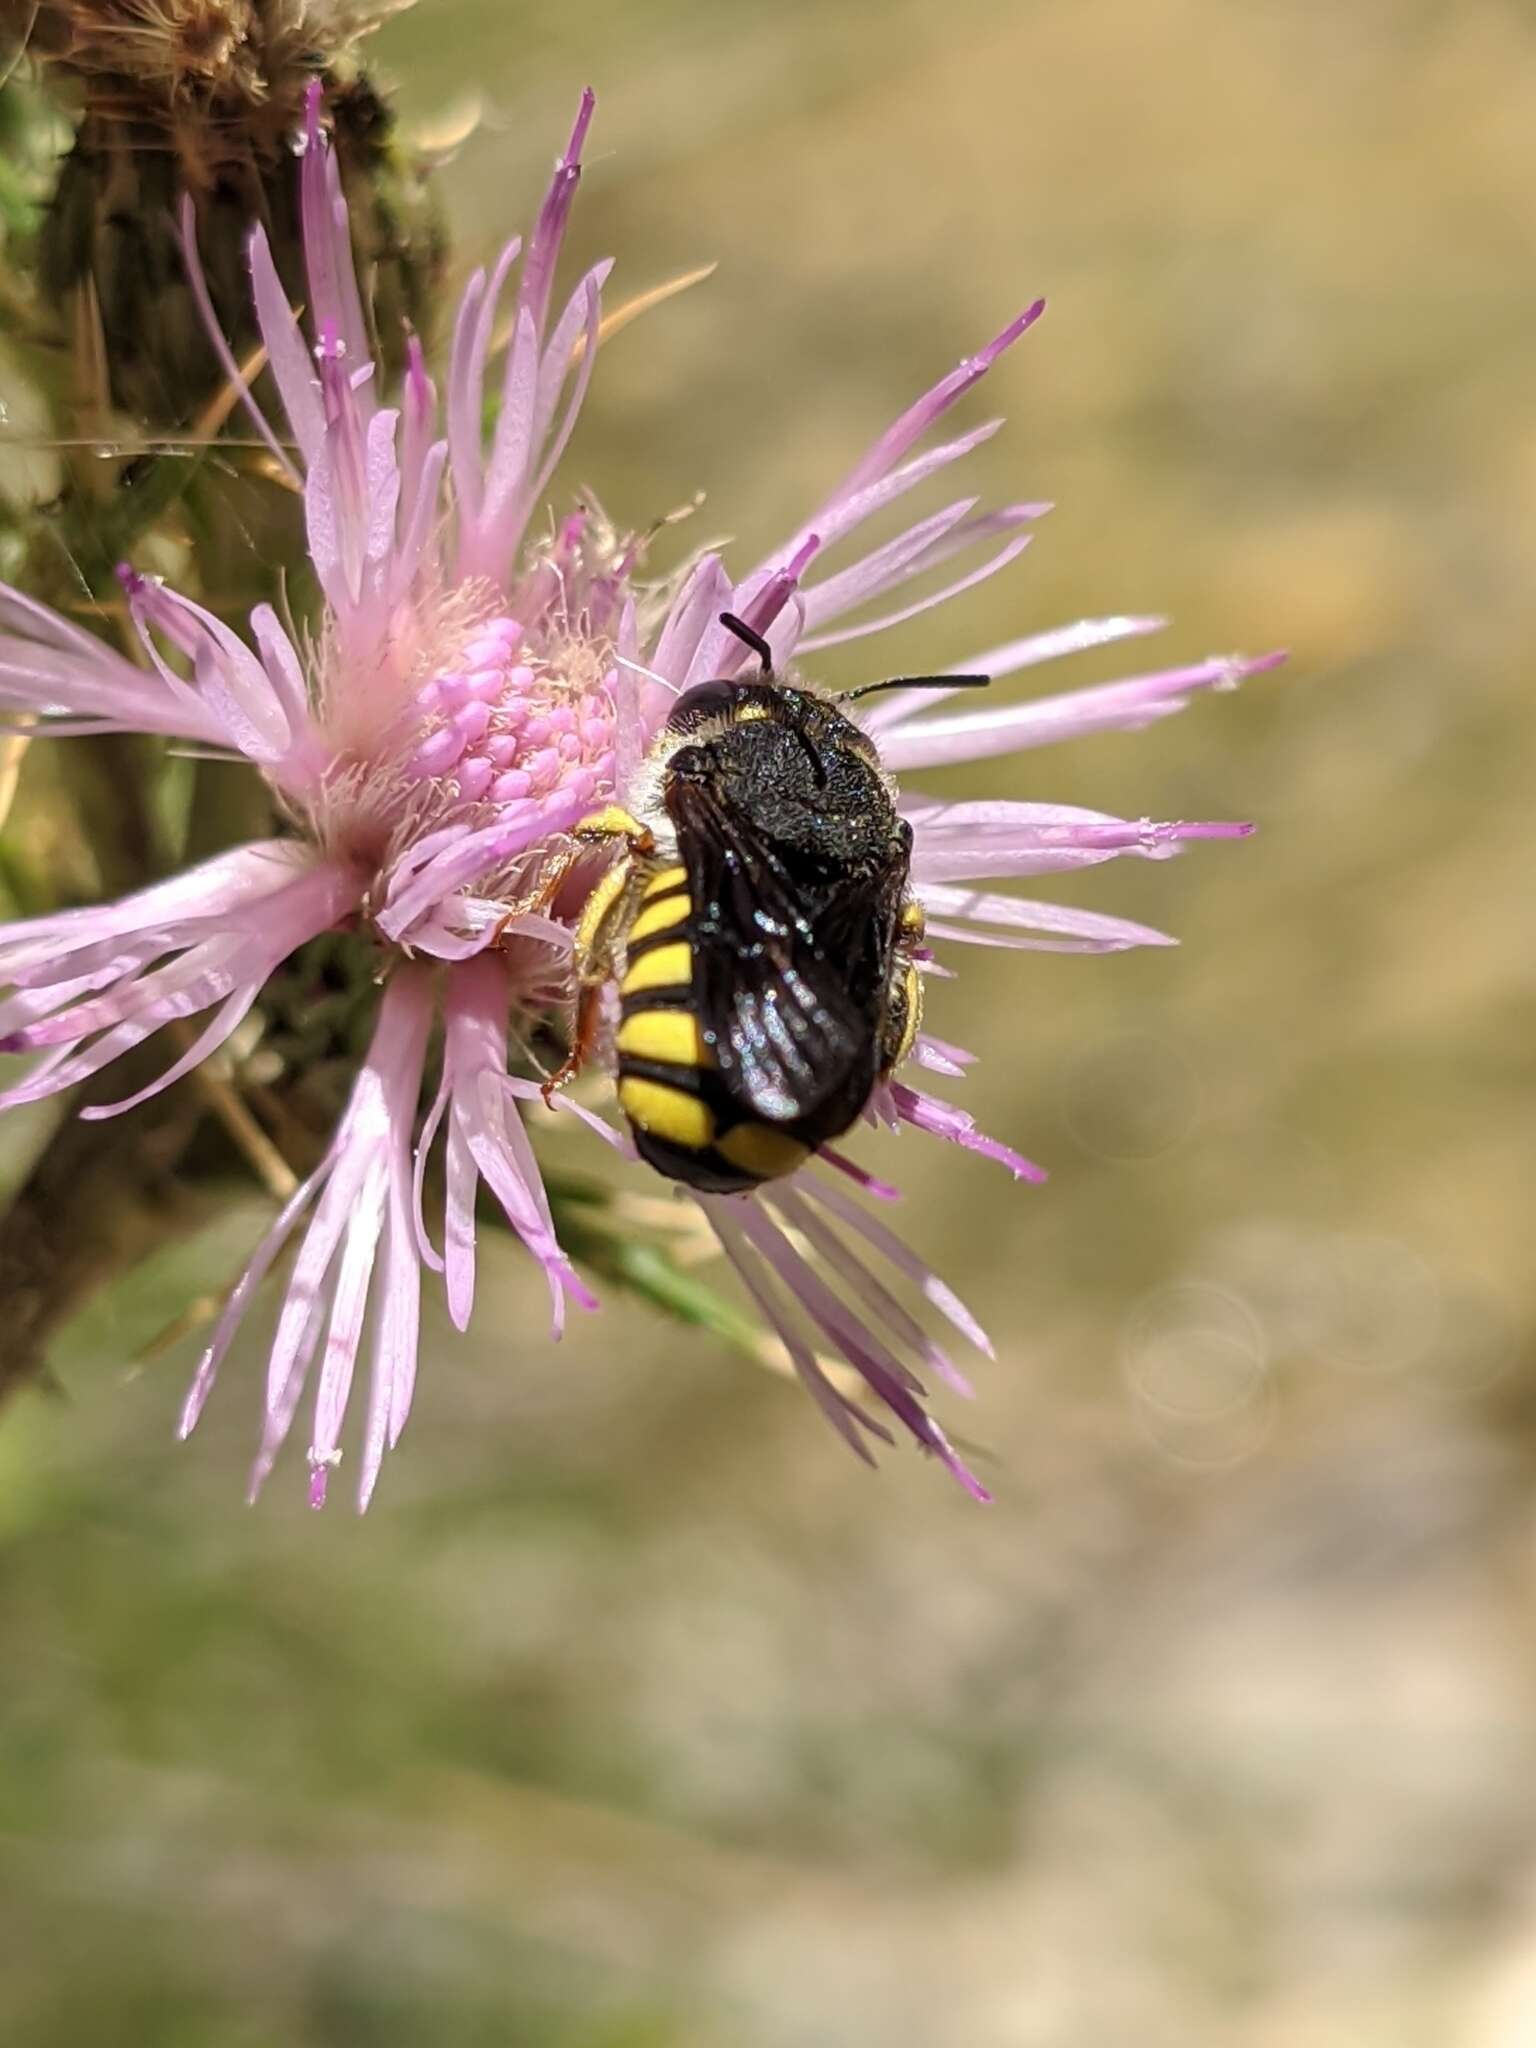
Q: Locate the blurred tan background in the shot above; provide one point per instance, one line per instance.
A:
(637, 1715)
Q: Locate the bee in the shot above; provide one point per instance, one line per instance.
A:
(761, 926)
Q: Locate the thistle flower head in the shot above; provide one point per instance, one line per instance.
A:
(483, 673)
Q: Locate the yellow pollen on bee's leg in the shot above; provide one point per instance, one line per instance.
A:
(614, 822)
(596, 914)
(912, 1013)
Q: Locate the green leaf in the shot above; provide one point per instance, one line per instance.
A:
(607, 1245)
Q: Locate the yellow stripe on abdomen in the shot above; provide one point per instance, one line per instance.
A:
(669, 1083)
(661, 967)
(671, 1036)
(762, 1151)
(670, 1114)
(659, 915)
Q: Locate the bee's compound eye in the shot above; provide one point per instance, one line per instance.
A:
(702, 704)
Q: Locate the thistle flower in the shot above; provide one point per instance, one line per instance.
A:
(474, 684)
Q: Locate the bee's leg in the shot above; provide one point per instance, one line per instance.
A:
(549, 889)
(904, 1005)
(598, 828)
(583, 1035)
(606, 914)
(614, 822)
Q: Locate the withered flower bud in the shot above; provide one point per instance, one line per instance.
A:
(205, 97)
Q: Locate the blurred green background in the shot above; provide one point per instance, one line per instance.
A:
(637, 1715)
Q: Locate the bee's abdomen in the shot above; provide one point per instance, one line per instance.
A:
(669, 1087)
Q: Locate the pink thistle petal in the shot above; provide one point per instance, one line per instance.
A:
(241, 1296)
(466, 373)
(302, 1316)
(863, 1349)
(927, 1052)
(994, 522)
(883, 567)
(351, 504)
(431, 1125)
(524, 455)
(486, 1140)
(349, 1304)
(202, 299)
(334, 301)
(549, 230)
(421, 515)
(26, 1007)
(955, 1055)
(938, 1293)
(882, 1190)
(575, 329)
(973, 917)
(943, 1120)
(581, 322)
(630, 727)
(896, 1383)
(884, 713)
(852, 512)
(48, 667)
(67, 728)
(226, 1023)
(526, 1092)
(422, 458)
(288, 355)
(705, 593)
(975, 841)
(844, 1415)
(512, 444)
(875, 1295)
(252, 710)
(893, 444)
(461, 1180)
(227, 883)
(1123, 707)
(758, 603)
(364, 1206)
(248, 911)
(415, 887)
(281, 666)
(396, 1341)
(39, 623)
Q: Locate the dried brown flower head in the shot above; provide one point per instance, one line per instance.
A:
(205, 97)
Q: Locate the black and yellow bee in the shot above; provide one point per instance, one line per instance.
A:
(761, 926)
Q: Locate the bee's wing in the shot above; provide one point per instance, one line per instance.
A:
(789, 1009)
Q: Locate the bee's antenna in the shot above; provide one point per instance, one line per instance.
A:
(754, 640)
(915, 683)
